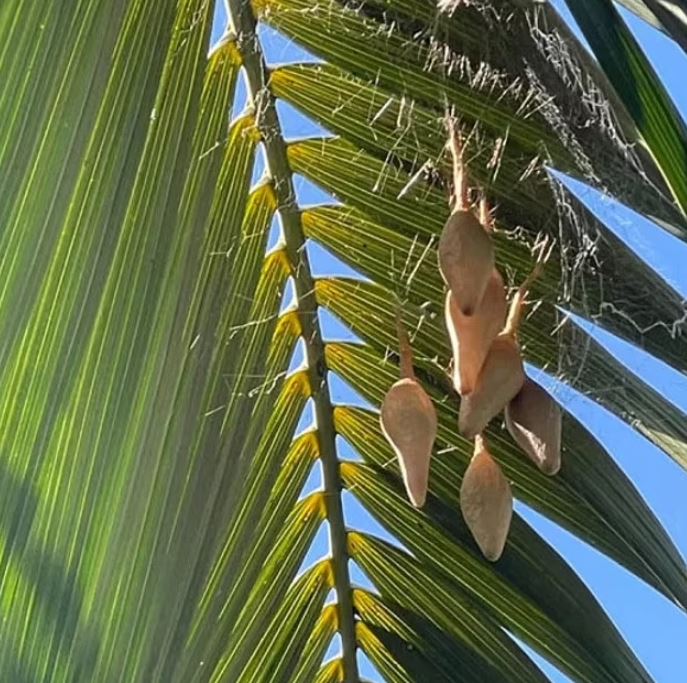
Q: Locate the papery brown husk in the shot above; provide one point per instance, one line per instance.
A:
(486, 502)
(409, 422)
(466, 259)
(471, 336)
(500, 379)
(534, 420)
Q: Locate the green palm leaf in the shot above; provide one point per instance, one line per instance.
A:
(155, 524)
(667, 17)
(655, 116)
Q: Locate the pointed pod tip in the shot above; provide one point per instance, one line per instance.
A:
(492, 554)
(460, 385)
(417, 501)
(416, 490)
(465, 427)
(550, 468)
(486, 503)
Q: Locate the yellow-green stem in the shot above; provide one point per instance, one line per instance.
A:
(245, 25)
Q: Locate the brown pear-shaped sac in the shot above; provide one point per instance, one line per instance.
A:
(486, 502)
(499, 380)
(471, 336)
(534, 420)
(466, 259)
(409, 422)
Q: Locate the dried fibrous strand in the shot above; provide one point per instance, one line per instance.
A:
(471, 336)
(485, 216)
(517, 307)
(534, 420)
(409, 422)
(486, 502)
(449, 6)
(460, 193)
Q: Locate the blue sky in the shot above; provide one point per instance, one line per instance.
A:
(654, 628)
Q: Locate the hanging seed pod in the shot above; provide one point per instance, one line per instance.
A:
(465, 252)
(534, 420)
(500, 379)
(409, 423)
(486, 502)
(466, 259)
(471, 336)
(502, 374)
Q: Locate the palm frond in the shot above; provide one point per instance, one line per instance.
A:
(152, 470)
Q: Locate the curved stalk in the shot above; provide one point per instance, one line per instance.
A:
(405, 351)
(248, 43)
(517, 306)
(461, 201)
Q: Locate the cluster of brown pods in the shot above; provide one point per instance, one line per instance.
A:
(488, 374)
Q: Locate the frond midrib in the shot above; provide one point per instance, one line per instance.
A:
(268, 125)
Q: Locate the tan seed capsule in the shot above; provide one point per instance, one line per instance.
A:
(466, 259)
(465, 251)
(486, 502)
(498, 382)
(502, 374)
(409, 423)
(534, 420)
(471, 336)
